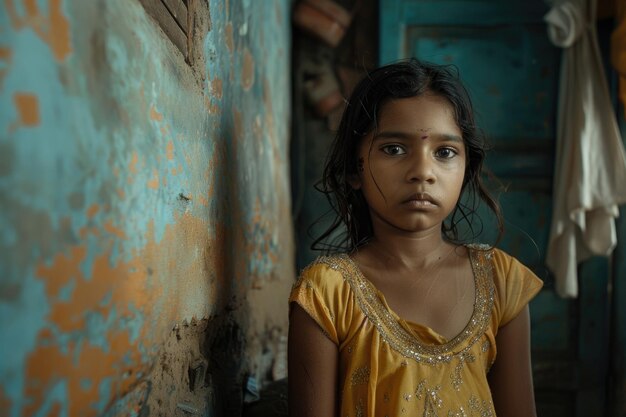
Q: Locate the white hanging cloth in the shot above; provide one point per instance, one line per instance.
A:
(590, 175)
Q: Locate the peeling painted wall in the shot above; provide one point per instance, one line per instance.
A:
(146, 241)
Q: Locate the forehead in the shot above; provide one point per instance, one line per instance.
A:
(427, 111)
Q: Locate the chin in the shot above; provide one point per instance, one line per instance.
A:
(419, 227)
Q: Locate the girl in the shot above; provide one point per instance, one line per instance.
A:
(406, 320)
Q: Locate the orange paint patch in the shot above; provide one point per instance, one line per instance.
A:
(55, 411)
(53, 29)
(247, 71)
(132, 166)
(120, 290)
(64, 269)
(154, 182)
(5, 53)
(169, 150)
(154, 114)
(230, 43)
(46, 335)
(257, 218)
(212, 108)
(92, 211)
(126, 284)
(49, 364)
(217, 88)
(88, 294)
(120, 193)
(5, 401)
(83, 232)
(27, 106)
(5, 60)
(116, 231)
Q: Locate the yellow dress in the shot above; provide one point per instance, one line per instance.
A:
(392, 367)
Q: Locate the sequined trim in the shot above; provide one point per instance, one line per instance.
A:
(396, 335)
(359, 409)
(486, 346)
(460, 413)
(361, 376)
(432, 402)
(484, 408)
(457, 375)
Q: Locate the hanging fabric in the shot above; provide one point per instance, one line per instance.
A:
(590, 174)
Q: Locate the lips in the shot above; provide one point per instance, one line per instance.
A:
(421, 200)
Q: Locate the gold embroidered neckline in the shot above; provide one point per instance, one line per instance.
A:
(398, 337)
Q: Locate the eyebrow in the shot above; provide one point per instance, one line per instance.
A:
(407, 136)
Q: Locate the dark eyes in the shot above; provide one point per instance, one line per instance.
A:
(441, 153)
(445, 153)
(393, 150)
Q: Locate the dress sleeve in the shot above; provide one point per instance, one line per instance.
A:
(515, 285)
(325, 296)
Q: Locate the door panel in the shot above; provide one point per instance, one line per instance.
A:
(496, 62)
(511, 70)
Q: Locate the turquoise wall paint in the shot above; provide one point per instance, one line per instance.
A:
(135, 195)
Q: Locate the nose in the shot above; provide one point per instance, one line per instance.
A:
(420, 169)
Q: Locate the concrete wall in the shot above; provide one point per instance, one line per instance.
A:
(146, 242)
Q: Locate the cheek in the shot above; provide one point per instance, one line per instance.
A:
(462, 179)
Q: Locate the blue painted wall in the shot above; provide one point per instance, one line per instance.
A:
(138, 196)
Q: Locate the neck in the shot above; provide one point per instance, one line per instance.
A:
(415, 251)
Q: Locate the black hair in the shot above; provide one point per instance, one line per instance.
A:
(352, 226)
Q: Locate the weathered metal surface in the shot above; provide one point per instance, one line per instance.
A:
(137, 197)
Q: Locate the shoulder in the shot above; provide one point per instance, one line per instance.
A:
(324, 292)
(324, 272)
(509, 267)
(515, 284)
(504, 262)
(501, 263)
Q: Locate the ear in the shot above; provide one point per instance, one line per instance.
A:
(355, 181)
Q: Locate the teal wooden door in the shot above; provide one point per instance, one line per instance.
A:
(506, 60)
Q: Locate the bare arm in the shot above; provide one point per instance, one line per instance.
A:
(510, 378)
(313, 360)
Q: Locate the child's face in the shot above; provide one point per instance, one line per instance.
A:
(411, 168)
